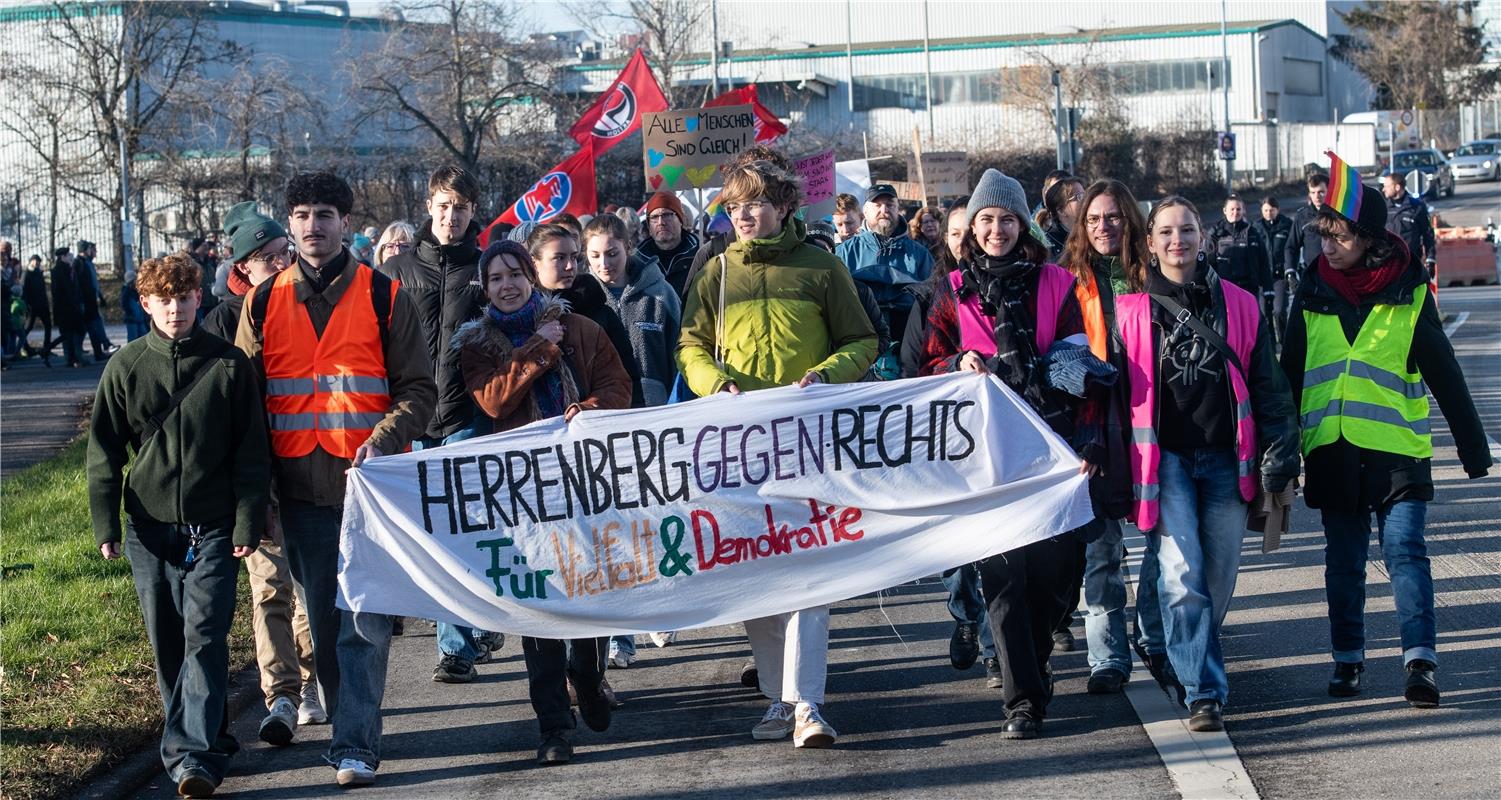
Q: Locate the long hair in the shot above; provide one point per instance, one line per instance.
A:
(1055, 199)
(1078, 252)
(944, 261)
(914, 227)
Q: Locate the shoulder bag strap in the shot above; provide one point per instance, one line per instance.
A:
(1207, 333)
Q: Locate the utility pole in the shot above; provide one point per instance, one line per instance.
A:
(1058, 115)
(714, 45)
(125, 232)
(1225, 85)
(849, 59)
(927, 68)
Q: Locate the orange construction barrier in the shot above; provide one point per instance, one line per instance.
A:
(1465, 258)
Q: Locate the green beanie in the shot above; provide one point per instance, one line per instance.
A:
(249, 230)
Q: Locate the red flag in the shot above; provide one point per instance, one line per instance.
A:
(617, 113)
(567, 187)
(768, 127)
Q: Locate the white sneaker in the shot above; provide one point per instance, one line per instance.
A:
(775, 724)
(280, 724)
(354, 772)
(663, 639)
(311, 711)
(812, 729)
(619, 658)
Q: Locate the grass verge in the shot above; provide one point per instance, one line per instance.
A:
(77, 678)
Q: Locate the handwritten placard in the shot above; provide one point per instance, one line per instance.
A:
(817, 172)
(684, 147)
(946, 172)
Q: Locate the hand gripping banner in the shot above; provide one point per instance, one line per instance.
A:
(720, 510)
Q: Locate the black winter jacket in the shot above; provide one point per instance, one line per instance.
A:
(1343, 477)
(1274, 235)
(444, 282)
(1241, 256)
(588, 297)
(1408, 218)
(223, 320)
(67, 299)
(1303, 245)
(675, 263)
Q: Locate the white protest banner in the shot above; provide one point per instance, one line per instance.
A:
(710, 512)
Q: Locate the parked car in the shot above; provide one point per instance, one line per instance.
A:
(1437, 179)
(1479, 160)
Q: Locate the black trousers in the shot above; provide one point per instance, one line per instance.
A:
(1026, 592)
(1078, 583)
(550, 663)
(188, 609)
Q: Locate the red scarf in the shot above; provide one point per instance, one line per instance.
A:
(239, 281)
(1357, 284)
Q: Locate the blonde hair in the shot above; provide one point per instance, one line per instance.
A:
(397, 231)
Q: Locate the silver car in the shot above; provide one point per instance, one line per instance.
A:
(1479, 160)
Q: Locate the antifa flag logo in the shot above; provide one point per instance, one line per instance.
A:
(618, 114)
(546, 199)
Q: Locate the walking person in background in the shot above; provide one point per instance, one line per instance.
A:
(527, 358)
(885, 258)
(187, 404)
(137, 324)
(1303, 243)
(926, 228)
(1407, 217)
(87, 276)
(1207, 404)
(1365, 344)
(1276, 229)
(67, 306)
(1061, 204)
(790, 314)
(38, 309)
(848, 219)
(1240, 254)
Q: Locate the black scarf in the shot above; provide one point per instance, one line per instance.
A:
(1003, 286)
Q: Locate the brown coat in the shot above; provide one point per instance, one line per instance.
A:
(500, 377)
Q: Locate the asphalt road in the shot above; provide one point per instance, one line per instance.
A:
(1472, 204)
(912, 726)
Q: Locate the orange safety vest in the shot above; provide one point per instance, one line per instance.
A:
(1088, 294)
(328, 392)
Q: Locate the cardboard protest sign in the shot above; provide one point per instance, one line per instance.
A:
(946, 173)
(685, 147)
(817, 172)
(720, 510)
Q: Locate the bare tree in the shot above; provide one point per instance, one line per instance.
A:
(670, 31)
(455, 70)
(1419, 55)
(42, 121)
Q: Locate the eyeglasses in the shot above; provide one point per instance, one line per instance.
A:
(662, 216)
(395, 245)
(753, 206)
(275, 257)
(1112, 220)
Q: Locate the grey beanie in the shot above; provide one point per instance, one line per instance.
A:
(996, 189)
(522, 231)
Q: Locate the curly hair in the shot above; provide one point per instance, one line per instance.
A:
(318, 188)
(914, 226)
(170, 276)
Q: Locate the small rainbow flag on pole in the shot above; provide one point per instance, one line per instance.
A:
(1345, 189)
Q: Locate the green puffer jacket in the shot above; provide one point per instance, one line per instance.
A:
(789, 308)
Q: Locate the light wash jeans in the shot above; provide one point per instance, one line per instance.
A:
(364, 650)
(1105, 601)
(455, 640)
(1197, 543)
(1347, 539)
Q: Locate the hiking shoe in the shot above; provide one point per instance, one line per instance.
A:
(196, 783)
(1422, 688)
(964, 645)
(1206, 715)
(663, 639)
(1021, 725)
(555, 750)
(354, 772)
(994, 678)
(618, 658)
(452, 669)
(1106, 681)
(311, 711)
(1063, 641)
(750, 677)
(812, 729)
(775, 724)
(280, 725)
(1345, 682)
(594, 707)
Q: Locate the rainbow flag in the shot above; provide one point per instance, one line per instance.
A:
(1345, 189)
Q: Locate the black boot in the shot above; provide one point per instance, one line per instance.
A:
(1206, 715)
(964, 645)
(1422, 687)
(1021, 725)
(1346, 679)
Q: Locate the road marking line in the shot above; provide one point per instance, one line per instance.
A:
(1201, 765)
(1495, 448)
(1454, 326)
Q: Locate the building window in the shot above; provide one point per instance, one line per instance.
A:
(910, 91)
(1301, 76)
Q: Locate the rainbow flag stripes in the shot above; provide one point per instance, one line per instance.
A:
(1344, 188)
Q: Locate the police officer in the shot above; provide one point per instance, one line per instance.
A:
(1407, 217)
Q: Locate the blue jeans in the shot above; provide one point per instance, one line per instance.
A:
(455, 640)
(1105, 601)
(188, 610)
(967, 606)
(1197, 543)
(364, 650)
(1347, 538)
(626, 644)
(1148, 621)
(311, 537)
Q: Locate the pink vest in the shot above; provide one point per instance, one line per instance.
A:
(977, 330)
(1133, 315)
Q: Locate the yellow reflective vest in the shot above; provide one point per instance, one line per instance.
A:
(1362, 392)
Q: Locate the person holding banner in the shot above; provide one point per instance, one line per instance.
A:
(341, 352)
(529, 358)
(1364, 346)
(1001, 312)
(772, 310)
(1207, 404)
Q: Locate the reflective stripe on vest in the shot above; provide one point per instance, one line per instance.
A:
(329, 391)
(977, 329)
(1133, 317)
(1362, 392)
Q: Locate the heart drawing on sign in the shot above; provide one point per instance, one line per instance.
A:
(691, 123)
(698, 176)
(655, 181)
(672, 174)
(654, 157)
